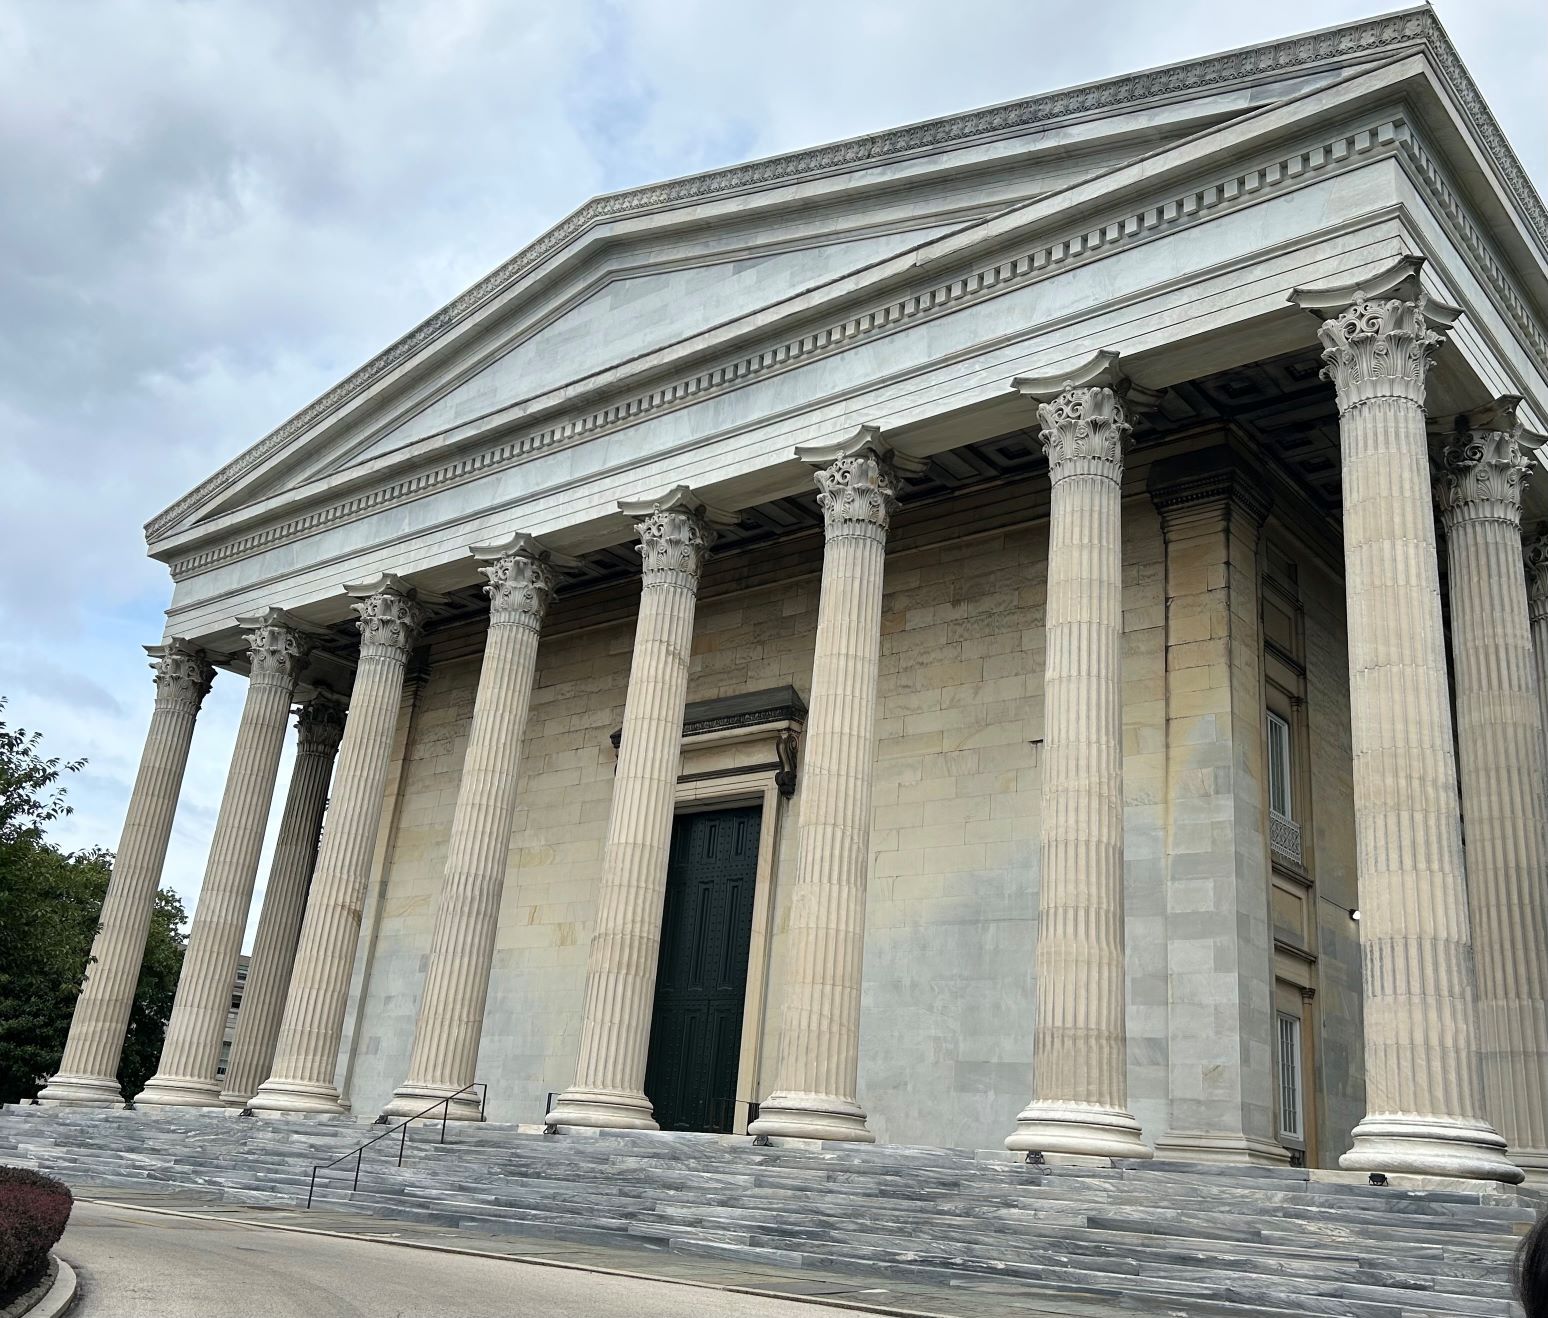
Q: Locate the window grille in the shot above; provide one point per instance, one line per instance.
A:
(1289, 1077)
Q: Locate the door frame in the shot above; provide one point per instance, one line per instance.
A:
(751, 777)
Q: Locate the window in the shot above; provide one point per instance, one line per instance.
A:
(1279, 767)
(1290, 1077)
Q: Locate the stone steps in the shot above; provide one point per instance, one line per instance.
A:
(1154, 1237)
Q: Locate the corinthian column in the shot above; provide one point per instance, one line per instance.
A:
(467, 911)
(819, 1049)
(88, 1071)
(191, 1051)
(279, 926)
(609, 1090)
(1080, 1088)
(1500, 747)
(306, 1055)
(1423, 1090)
(1535, 552)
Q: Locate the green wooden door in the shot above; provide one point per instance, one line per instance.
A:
(701, 979)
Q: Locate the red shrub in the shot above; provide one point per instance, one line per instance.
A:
(33, 1211)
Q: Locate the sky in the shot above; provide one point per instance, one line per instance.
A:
(211, 212)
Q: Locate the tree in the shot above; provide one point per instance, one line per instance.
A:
(50, 901)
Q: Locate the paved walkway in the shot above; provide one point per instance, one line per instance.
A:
(182, 1237)
(136, 1264)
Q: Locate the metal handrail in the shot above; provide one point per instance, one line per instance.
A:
(359, 1152)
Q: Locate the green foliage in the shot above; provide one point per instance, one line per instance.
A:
(49, 905)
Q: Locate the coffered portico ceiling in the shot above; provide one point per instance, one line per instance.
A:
(1001, 235)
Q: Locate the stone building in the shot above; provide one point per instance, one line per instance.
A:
(968, 635)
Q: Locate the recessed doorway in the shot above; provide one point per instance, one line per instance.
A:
(701, 977)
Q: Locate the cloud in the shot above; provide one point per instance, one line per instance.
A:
(213, 211)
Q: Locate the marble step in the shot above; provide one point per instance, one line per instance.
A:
(1250, 1240)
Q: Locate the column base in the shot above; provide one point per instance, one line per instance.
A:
(178, 1091)
(606, 1109)
(1221, 1147)
(230, 1098)
(1084, 1128)
(812, 1117)
(82, 1090)
(1431, 1146)
(411, 1100)
(298, 1096)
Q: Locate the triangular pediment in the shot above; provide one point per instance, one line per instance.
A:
(633, 276)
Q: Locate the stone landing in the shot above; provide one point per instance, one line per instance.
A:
(1152, 1238)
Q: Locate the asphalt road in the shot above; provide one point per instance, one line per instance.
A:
(146, 1265)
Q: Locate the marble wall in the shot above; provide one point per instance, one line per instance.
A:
(946, 1034)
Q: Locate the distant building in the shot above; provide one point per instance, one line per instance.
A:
(238, 987)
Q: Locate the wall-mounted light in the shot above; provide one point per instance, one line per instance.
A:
(1354, 914)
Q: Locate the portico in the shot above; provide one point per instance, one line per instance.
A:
(1123, 773)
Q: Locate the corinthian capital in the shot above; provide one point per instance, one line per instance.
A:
(1483, 473)
(320, 726)
(858, 481)
(676, 532)
(276, 648)
(1085, 416)
(1378, 335)
(183, 675)
(521, 580)
(390, 617)
(1535, 552)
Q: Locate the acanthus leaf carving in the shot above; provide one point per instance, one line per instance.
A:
(320, 725)
(1085, 431)
(674, 546)
(276, 650)
(1535, 554)
(1482, 476)
(520, 589)
(1378, 348)
(389, 623)
(183, 675)
(858, 494)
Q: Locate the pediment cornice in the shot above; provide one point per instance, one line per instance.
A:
(1073, 235)
(1367, 40)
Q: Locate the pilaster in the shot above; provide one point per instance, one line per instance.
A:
(1219, 946)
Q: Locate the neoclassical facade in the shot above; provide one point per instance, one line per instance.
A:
(1016, 630)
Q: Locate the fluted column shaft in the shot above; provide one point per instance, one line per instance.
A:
(306, 1054)
(284, 903)
(819, 1049)
(621, 969)
(1080, 1079)
(467, 913)
(88, 1071)
(1535, 551)
(190, 1053)
(1424, 1109)
(1500, 748)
